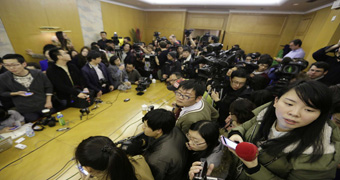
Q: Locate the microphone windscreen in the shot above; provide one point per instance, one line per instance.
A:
(246, 151)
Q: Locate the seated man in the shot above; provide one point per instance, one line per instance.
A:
(31, 91)
(193, 107)
(166, 152)
(317, 71)
(171, 65)
(96, 75)
(66, 78)
(133, 74)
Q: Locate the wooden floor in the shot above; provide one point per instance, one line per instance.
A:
(49, 151)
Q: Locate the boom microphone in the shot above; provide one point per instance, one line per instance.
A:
(246, 151)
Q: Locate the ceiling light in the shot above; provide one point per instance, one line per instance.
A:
(295, 4)
(217, 2)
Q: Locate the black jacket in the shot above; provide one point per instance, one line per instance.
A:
(167, 155)
(40, 86)
(332, 77)
(91, 78)
(61, 82)
(171, 67)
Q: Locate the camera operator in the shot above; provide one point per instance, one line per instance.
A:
(126, 55)
(317, 71)
(174, 41)
(237, 87)
(102, 41)
(161, 58)
(332, 77)
(171, 65)
(166, 152)
(189, 71)
(189, 41)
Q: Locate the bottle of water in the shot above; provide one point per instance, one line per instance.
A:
(30, 132)
(60, 118)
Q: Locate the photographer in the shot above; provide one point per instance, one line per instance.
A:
(237, 87)
(188, 40)
(161, 58)
(332, 77)
(166, 153)
(171, 65)
(188, 69)
(96, 75)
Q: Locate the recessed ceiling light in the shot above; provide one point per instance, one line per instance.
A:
(217, 2)
(295, 4)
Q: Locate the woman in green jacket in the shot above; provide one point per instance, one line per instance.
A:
(295, 138)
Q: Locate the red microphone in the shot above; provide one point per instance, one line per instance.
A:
(246, 151)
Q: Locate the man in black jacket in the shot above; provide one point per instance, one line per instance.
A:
(30, 90)
(166, 152)
(171, 65)
(332, 77)
(66, 78)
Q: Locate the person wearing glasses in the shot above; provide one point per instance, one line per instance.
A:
(165, 153)
(203, 142)
(30, 90)
(193, 107)
(237, 87)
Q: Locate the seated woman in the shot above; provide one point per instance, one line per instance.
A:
(9, 119)
(240, 111)
(99, 156)
(117, 73)
(296, 139)
(204, 142)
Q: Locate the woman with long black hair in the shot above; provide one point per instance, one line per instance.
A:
(294, 136)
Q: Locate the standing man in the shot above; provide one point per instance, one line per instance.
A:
(30, 90)
(102, 42)
(332, 77)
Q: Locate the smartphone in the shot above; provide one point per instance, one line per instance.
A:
(82, 170)
(28, 93)
(229, 143)
(14, 128)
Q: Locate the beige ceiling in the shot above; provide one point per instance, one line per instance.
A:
(304, 6)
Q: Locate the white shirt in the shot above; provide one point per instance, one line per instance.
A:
(193, 107)
(98, 71)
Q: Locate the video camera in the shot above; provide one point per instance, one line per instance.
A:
(187, 32)
(286, 71)
(133, 145)
(143, 84)
(47, 118)
(156, 35)
(138, 51)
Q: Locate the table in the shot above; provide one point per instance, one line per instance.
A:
(50, 151)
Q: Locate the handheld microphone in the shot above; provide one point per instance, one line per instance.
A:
(246, 151)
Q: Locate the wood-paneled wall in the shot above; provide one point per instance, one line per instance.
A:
(165, 22)
(22, 19)
(122, 19)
